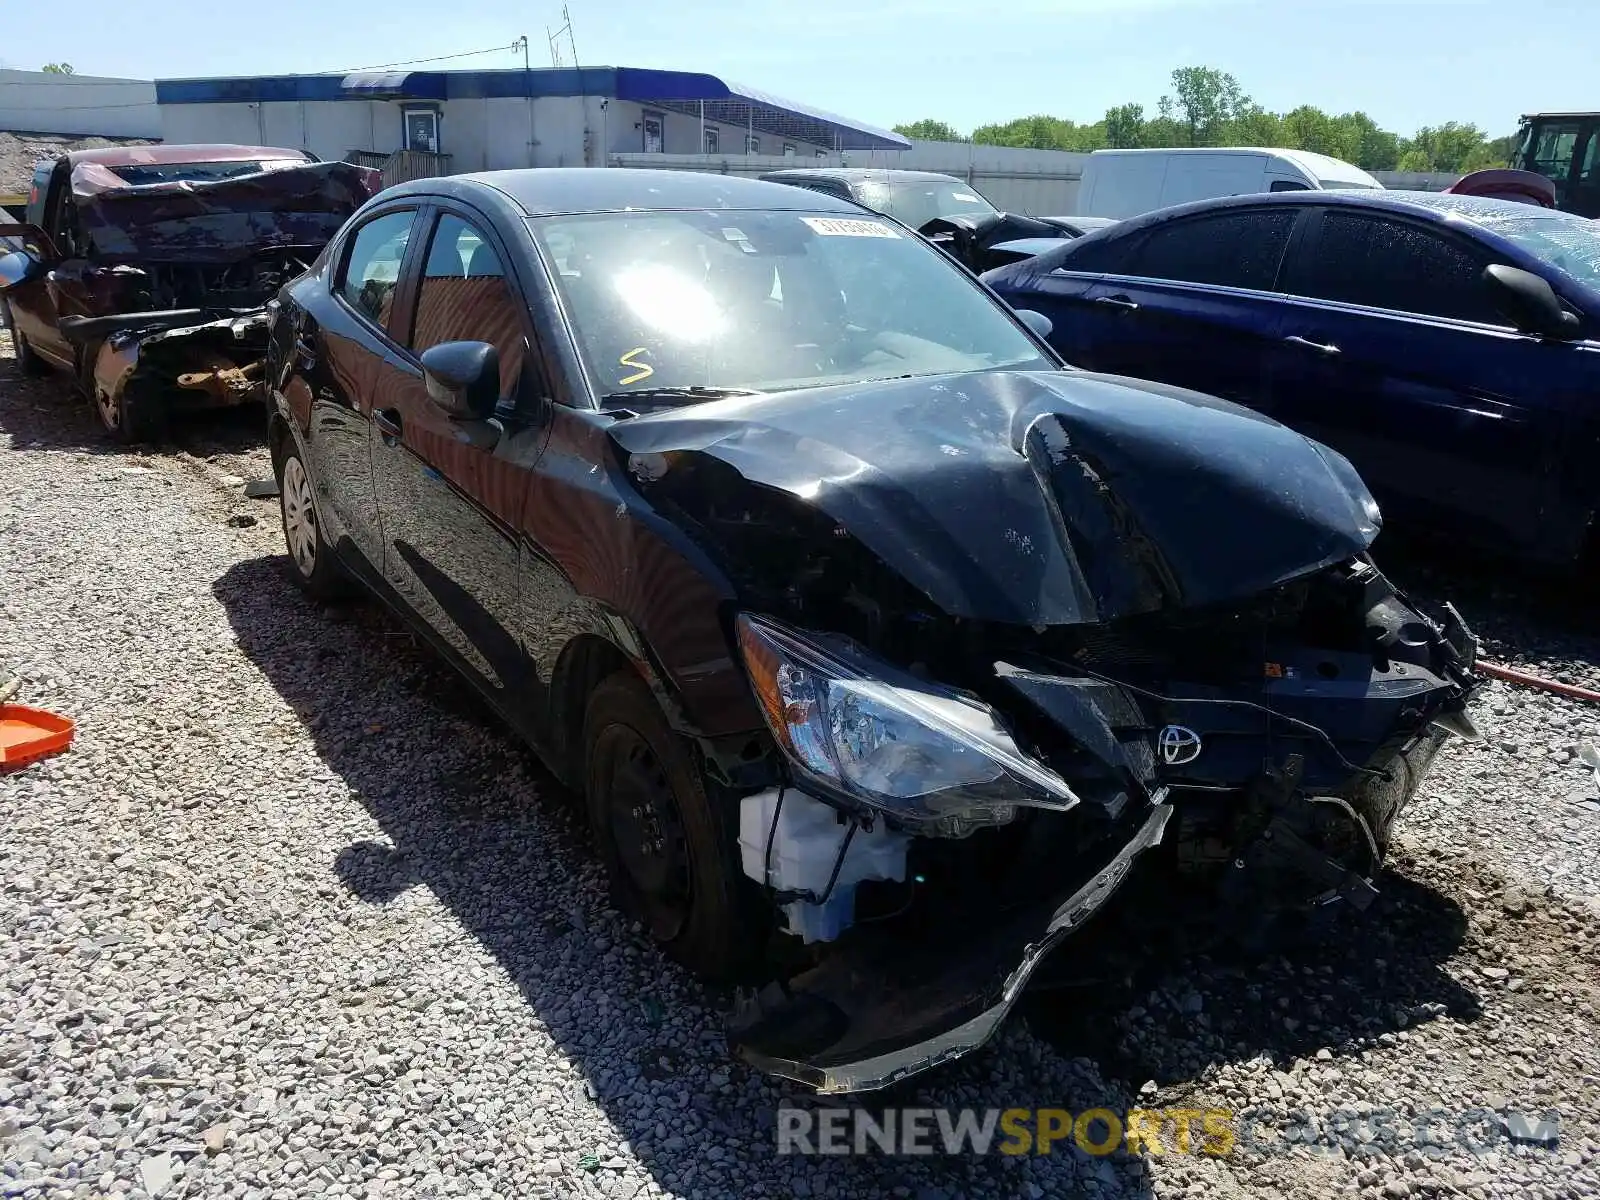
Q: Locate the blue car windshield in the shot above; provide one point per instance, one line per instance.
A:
(1567, 245)
(768, 301)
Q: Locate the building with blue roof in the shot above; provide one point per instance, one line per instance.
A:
(458, 121)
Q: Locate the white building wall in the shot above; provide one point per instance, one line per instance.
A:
(41, 102)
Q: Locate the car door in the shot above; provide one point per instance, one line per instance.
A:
(347, 356)
(1194, 303)
(34, 303)
(1395, 354)
(451, 491)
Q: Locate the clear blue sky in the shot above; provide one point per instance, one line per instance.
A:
(1406, 62)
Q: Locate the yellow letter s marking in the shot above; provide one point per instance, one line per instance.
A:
(645, 370)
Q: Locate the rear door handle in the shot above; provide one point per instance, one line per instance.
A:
(1121, 302)
(1326, 349)
(388, 422)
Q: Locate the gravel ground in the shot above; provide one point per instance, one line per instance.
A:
(20, 151)
(293, 918)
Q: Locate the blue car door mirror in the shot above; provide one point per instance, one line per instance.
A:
(1530, 302)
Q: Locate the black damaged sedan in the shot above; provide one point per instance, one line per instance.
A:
(881, 645)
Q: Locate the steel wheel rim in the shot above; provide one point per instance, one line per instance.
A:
(299, 517)
(648, 838)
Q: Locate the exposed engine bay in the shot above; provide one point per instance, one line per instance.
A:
(996, 694)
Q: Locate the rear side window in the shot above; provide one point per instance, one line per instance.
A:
(1380, 263)
(372, 271)
(1236, 249)
(465, 297)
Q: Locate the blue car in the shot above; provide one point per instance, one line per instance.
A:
(1449, 346)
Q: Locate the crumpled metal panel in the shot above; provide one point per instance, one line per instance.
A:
(217, 221)
(1043, 498)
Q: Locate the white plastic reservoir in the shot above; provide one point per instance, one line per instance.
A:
(805, 846)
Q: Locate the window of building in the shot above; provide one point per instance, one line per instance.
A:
(372, 271)
(1397, 265)
(752, 144)
(711, 139)
(822, 154)
(655, 141)
(422, 129)
(1238, 249)
(788, 150)
(464, 296)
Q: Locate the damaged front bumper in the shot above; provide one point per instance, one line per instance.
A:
(881, 1011)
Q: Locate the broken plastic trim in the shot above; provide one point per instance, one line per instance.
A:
(881, 1070)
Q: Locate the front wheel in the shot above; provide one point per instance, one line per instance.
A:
(666, 837)
(311, 559)
(128, 418)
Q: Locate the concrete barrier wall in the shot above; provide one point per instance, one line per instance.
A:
(41, 102)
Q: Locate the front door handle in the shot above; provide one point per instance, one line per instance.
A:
(1122, 302)
(1326, 349)
(305, 352)
(388, 422)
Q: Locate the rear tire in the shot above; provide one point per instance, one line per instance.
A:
(312, 561)
(28, 362)
(665, 837)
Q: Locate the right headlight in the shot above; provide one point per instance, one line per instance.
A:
(936, 761)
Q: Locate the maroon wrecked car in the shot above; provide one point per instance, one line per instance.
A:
(145, 271)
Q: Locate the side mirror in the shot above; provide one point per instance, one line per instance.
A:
(18, 267)
(1036, 321)
(463, 378)
(1530, 302)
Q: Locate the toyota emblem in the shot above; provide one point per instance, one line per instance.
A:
(1179, 744)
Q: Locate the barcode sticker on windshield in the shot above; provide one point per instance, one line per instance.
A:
(842, 227)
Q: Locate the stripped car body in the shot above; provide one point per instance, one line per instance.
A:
(882, 646)
(146, 270)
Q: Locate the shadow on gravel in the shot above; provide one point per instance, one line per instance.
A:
(1143, 995)
(1152, 996)
(45, 413)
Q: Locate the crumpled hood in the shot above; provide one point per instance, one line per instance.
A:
(218, 221)
(1041, 498)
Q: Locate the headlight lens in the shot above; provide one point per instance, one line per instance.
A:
(938, 762)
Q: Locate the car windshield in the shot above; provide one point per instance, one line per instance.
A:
(765, 301)
(924, 200)
(1570, 246)
(142, 174)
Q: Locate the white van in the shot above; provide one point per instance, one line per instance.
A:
(1126, 183)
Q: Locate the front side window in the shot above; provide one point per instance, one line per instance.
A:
(767, 301)
(1553, 148)
(1381, 263)
(465, 296)
(372, 269)
(1236, 249)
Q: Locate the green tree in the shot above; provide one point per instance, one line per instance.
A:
(1308, 128)
(1451, 147)
(1369, 147)
(1124, 126)
(1041, 132)
(60, 68)
(1255, 126)
(928, 130)
(1204, 101)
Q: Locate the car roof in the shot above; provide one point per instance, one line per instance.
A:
(128, 156)
(850, 174)
(1437, 206)
(548, 191)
